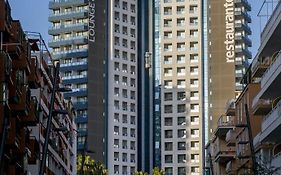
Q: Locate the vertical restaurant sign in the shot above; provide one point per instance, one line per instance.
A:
(229, 31)
(92, 21)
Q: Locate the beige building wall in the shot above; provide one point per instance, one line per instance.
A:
(181, 93)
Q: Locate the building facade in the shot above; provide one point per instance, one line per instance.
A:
(69, 44)
(256, 124)
(228, 54)
(26, 77)
(181, 87)
(103, 61)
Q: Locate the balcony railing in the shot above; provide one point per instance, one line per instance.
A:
(275, 65)
(271, 21)
(225, 121)
(270, 120)
(261, 106)
(259, 66)
(230, 138)
(230, 107)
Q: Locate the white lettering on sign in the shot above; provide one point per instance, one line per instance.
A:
(229, 31)
(92, 20)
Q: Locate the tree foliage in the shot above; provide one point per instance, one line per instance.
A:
(90, 167)
(155, 171)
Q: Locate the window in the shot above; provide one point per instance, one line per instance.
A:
(124, 144)
(116, 130)
(116, 143)
(181, 121)
(181, 158)
(181, 133)
(194, 120)
(180, 59)
(133, 120)
(168, 158)
(168, 121)
(168, 146)
(168, 133)
(181, 96)
(181, 171)
(168, 96)
(181, 108)
(181, 146)
(116, 117)
(168, 171)
(116, 156)
(194, 132)
(168, 71)
(181, 83)
(194, 158)
(116, 169)
(124, 131)
(133, 132)
(168, 60)
(194, 145)
(124, 157)
(168, 109)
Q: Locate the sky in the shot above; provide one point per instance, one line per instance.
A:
(33, 15)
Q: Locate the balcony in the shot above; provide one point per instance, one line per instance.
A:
(68, 41)
(244, 15)
(22, 108)
(74, 66)
(230, 107)
(243, 51)
(76, 92)
(82, 132)
(259, 66)
(55, 30)
(81, 119)
(225, 123)
(275, 162)
(23, 62)
(230, 168)
(71, 53)
(223, 153)
(245, 27)
(66, 3)
(5, 65)
(68, 15)
(33, 146)
(80, 105)
(75, 79)
(34, 77)
(271, 80)
(271, 125)
(261, 106)
(230, 138)
(272, 28)
(243, 3)
(33, 116)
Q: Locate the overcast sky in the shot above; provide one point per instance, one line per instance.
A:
(33, 15)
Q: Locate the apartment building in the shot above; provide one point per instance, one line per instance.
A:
(26, 77)
(181, 90)
(103, 61)
(267, 101)
(122, 87)
(228, 54)
(256, 133)
(69, 44)
(229, 151)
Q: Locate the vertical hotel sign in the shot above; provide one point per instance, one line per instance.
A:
(229, 31)
(92, 21)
